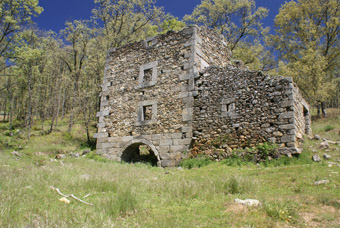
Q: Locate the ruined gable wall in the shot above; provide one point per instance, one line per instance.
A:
(211, 49)
(244, 106)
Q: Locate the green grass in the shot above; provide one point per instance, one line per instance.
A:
(139, 195)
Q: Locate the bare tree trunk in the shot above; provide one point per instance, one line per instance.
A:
(29, 102)
(58, 105)
(63, 106)
(11, 115)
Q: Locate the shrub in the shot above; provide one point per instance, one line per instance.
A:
(96, 157)
(237, 186)
(236, 160)
(329, 128)
(285, 211)
(195, 162)
(265, 149)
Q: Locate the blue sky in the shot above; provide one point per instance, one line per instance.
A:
(57, 12)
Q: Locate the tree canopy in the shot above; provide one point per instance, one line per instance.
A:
(307, 38)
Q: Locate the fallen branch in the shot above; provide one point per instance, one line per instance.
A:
(72, 196)
(82, 201)
(87, 195)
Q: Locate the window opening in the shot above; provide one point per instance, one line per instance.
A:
(147, 112)
(147, 75)
(230, 107)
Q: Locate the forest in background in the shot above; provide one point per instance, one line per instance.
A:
(51, 76)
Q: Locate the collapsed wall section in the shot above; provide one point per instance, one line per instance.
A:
(246, 108)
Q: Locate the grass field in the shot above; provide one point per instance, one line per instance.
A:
(139, 195)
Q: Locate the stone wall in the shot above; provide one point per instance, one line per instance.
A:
(302, 120)
(147, 93)
(153, 94)
(246, 107)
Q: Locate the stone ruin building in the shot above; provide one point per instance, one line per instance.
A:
(174, 90)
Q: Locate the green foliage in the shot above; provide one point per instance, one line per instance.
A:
(126, 21)
(92, 155)
(236, 160)
(126, 201)
(198, 162)
(171, 24)
(237, 186)
(14, 15)
(266, 149)
(329, 128)
(122, 204)
(285, 211)
(307, 40)
(236, 20)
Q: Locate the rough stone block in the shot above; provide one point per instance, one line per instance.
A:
(165, 142)
(177, 149)
(183, 94)
(288, 103)
(287, 127)
(100, 135)
(168, 163)
(163, 149)
(165, 156)
(287, 115)
(156, 137)
(287, 138)
(127, 138)
(186, 129)
(184, 77)
(176, 135)
(187, 117)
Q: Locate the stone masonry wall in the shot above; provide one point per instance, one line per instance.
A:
(153, 94)
(147, 94)
(302, 118)
(246, 107)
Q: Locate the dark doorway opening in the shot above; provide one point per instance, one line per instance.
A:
(307, 120)
(139, 152)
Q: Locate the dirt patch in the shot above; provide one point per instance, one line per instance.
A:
(309, 219)
(236, 208)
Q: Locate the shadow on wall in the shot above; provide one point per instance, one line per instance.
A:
(139, 152)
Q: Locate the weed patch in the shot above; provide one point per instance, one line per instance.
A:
(195, 162)
(329, 128)
(284, 211)
(237, 186)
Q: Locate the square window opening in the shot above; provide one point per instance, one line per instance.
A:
(147, 75)
(147, 112)
(230, 107)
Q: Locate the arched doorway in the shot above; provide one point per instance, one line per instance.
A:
(140, 151)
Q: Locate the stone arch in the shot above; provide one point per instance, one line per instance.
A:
(130, 152)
